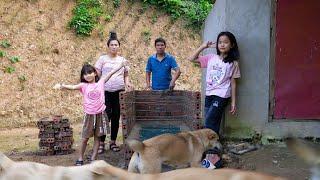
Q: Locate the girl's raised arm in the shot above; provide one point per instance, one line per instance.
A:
(106, 77)
(67, 86)
(203, 46)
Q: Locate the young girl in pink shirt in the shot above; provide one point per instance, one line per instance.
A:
(94, 123)
(222, 72)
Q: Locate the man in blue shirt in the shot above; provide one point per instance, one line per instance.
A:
(160, 66)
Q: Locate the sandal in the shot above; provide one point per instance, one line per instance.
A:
(78, 163)
(101, 148)
(113, 147)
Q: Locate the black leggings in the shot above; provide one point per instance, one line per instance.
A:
(113, 112)
(214, 109)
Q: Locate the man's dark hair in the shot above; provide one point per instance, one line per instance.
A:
(160, 40)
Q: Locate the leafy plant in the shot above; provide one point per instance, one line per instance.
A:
(107, 17)
(100, 32)
(116, 3)
(5, 43)
(9, 69)
(3, 54)
(22, 78)
(86, 16)
(197, 12)
(154, 18)
(146, 34)
(194, 11)
(14, 59)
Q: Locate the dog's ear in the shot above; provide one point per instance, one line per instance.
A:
(212, 135)
(99, 167)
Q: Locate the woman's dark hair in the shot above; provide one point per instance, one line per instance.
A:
(233, 54)
(87, 69)
(160, 40)
(112, 36)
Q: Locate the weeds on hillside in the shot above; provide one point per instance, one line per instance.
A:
(5, 43)
(22, 80)
(86, 16)
(3, 54)
(13, 59)
(9, 68)
(116, 3)
(146, 35)
(194, 11)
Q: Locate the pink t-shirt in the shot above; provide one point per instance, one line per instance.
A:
(93, 97)
(219, 74)
(105, 64)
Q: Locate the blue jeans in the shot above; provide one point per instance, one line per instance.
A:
(214, 108)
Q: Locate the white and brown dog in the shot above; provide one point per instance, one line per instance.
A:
(25, 170)
(100, 170)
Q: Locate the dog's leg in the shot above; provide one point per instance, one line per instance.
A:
(133, 164)
(151, 168)
(195, 164)
(150, 163)
(196, 159)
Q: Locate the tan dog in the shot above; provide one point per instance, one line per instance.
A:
(26, 170)
(180, 149)
(99, 170)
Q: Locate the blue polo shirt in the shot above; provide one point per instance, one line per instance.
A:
(161, 71)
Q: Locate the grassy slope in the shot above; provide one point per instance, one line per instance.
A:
(50, 53)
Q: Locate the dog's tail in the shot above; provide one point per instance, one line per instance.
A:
(305, 151)
(5, 162)
(136, 145)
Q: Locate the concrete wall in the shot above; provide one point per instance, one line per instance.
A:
(250, 22)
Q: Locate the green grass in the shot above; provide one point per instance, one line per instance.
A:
(86, 16)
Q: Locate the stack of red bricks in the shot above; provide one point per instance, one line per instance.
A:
(56, 136)
(158, 106)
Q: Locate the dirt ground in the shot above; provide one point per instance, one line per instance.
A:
(22, 145)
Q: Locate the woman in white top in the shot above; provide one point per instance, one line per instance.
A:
(117, 83)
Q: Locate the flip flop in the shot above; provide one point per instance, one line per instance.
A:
(78, 163)
(101, 148)
(113, 147)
